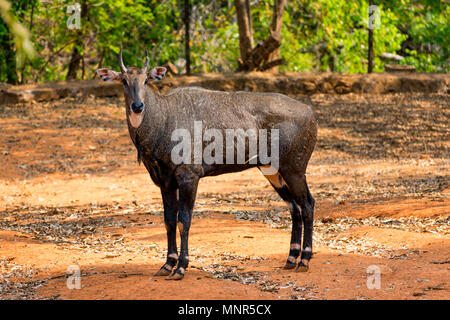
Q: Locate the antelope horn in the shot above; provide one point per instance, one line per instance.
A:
(123, 69)
(146, 61)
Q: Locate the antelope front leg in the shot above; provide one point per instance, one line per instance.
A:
(187, 183)
(170, 202)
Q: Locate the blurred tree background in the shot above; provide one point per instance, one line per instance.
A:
(317, 35)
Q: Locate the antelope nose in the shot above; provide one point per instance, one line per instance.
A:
(137, 107)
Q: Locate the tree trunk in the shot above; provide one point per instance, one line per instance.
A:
(275, 30)
(370, 53)
(74, 64)
(264, 56)
(76, 57)
(32, 3)
(245, 28)
(187, 20)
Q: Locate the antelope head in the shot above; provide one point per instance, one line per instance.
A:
(134, 82)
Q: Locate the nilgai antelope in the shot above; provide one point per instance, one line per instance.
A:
(152, 119)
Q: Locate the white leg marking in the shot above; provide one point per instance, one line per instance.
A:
(295, 246)
(291, 259)
(276, 180)
(173, 256)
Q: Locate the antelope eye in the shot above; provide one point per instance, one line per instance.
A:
(124, 81)
(146, 80)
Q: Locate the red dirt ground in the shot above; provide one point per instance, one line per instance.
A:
(69, 186)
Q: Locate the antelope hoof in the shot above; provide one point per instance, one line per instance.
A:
(302, 267)
(289, 266)
(175, 276)
(163, 272)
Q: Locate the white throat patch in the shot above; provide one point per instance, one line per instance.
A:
(136, 119)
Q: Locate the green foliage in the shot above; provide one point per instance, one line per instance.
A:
(20, 34)
(15, 42)
(318, 35)
(427, 27)
(332, 35)
(214, 38)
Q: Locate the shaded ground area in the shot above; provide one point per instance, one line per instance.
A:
(72, 194)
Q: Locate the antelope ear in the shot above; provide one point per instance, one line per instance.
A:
(108, 75)
(157, 73)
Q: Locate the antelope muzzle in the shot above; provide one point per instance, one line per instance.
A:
(137, 107)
